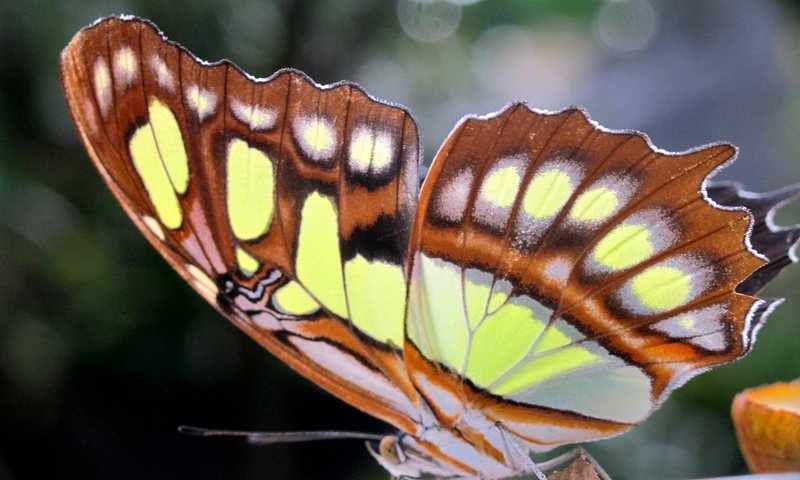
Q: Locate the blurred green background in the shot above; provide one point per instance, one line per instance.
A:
(104, 350)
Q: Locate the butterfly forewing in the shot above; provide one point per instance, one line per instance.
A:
(285, 204)
(593, 259)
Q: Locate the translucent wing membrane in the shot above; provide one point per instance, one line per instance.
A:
(585, 272)
(284, 203)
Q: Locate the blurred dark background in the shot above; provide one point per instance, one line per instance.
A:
(104, 350)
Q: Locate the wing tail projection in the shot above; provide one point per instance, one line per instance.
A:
(778, 244)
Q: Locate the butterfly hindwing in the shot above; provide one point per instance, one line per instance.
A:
(591, 273)
(285, 204)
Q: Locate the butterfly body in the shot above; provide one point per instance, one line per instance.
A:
(552, 282)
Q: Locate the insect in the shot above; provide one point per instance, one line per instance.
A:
(550, 282)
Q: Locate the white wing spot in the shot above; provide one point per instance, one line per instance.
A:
(453, 196)
(558, 270)
(126, 68)
(371, 151)
(316, 137)
(155, 227)
(201, 101)
(201, 281)
(164, 76)
(102, 84)
(257, 118)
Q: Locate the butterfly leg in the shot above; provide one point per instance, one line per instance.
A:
(575, 454)
(510, 444)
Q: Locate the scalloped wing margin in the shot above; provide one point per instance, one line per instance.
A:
(286, 204)
(577, 273)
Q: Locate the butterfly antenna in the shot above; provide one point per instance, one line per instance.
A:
(267, 438)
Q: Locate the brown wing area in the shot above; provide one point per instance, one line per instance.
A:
(613, 238)
(122, 79)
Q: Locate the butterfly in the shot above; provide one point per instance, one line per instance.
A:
(550, 282)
